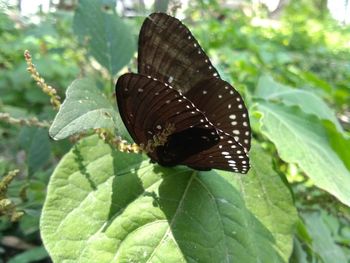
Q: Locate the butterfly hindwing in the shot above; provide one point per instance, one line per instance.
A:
(224, 107)
(226, 155)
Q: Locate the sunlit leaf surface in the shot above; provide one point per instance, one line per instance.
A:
(107, 206)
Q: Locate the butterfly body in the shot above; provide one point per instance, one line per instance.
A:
(181, 145)
(177, 84)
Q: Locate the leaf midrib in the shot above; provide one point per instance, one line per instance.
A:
(178, 209)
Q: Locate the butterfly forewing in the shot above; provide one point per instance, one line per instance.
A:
(169, 52)
(148, 106)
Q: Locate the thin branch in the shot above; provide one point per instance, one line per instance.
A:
(23, 122)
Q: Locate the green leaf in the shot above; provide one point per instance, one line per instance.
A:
(323, 243)
(269, 199)
(32, 255)
(299, 255)
(310, 103)
(37, 145)
(339, 143)
(107, 206)
(317, 82)
(109, 39)
(301, 139)
(84, 108)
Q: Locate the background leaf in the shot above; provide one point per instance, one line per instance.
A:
(31, 255)
(308, 101)
(84, 108)
(323, 243)
(339, 142)
(108, 38)
(37, 145)
(301, 139)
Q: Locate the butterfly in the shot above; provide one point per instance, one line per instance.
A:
(177, 85)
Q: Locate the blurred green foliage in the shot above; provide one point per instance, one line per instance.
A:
(304, 53)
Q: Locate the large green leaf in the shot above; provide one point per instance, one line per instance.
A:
(109, 39)
(309, 102)
(302, 139)
(84, 108)
(267, 197)
(107, 206)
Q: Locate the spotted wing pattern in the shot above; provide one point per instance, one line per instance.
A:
(177, 84)
(147, 106)
(169, 52)
(224, 107)
(227, 155)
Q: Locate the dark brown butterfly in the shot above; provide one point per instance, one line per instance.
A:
(177, 84)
